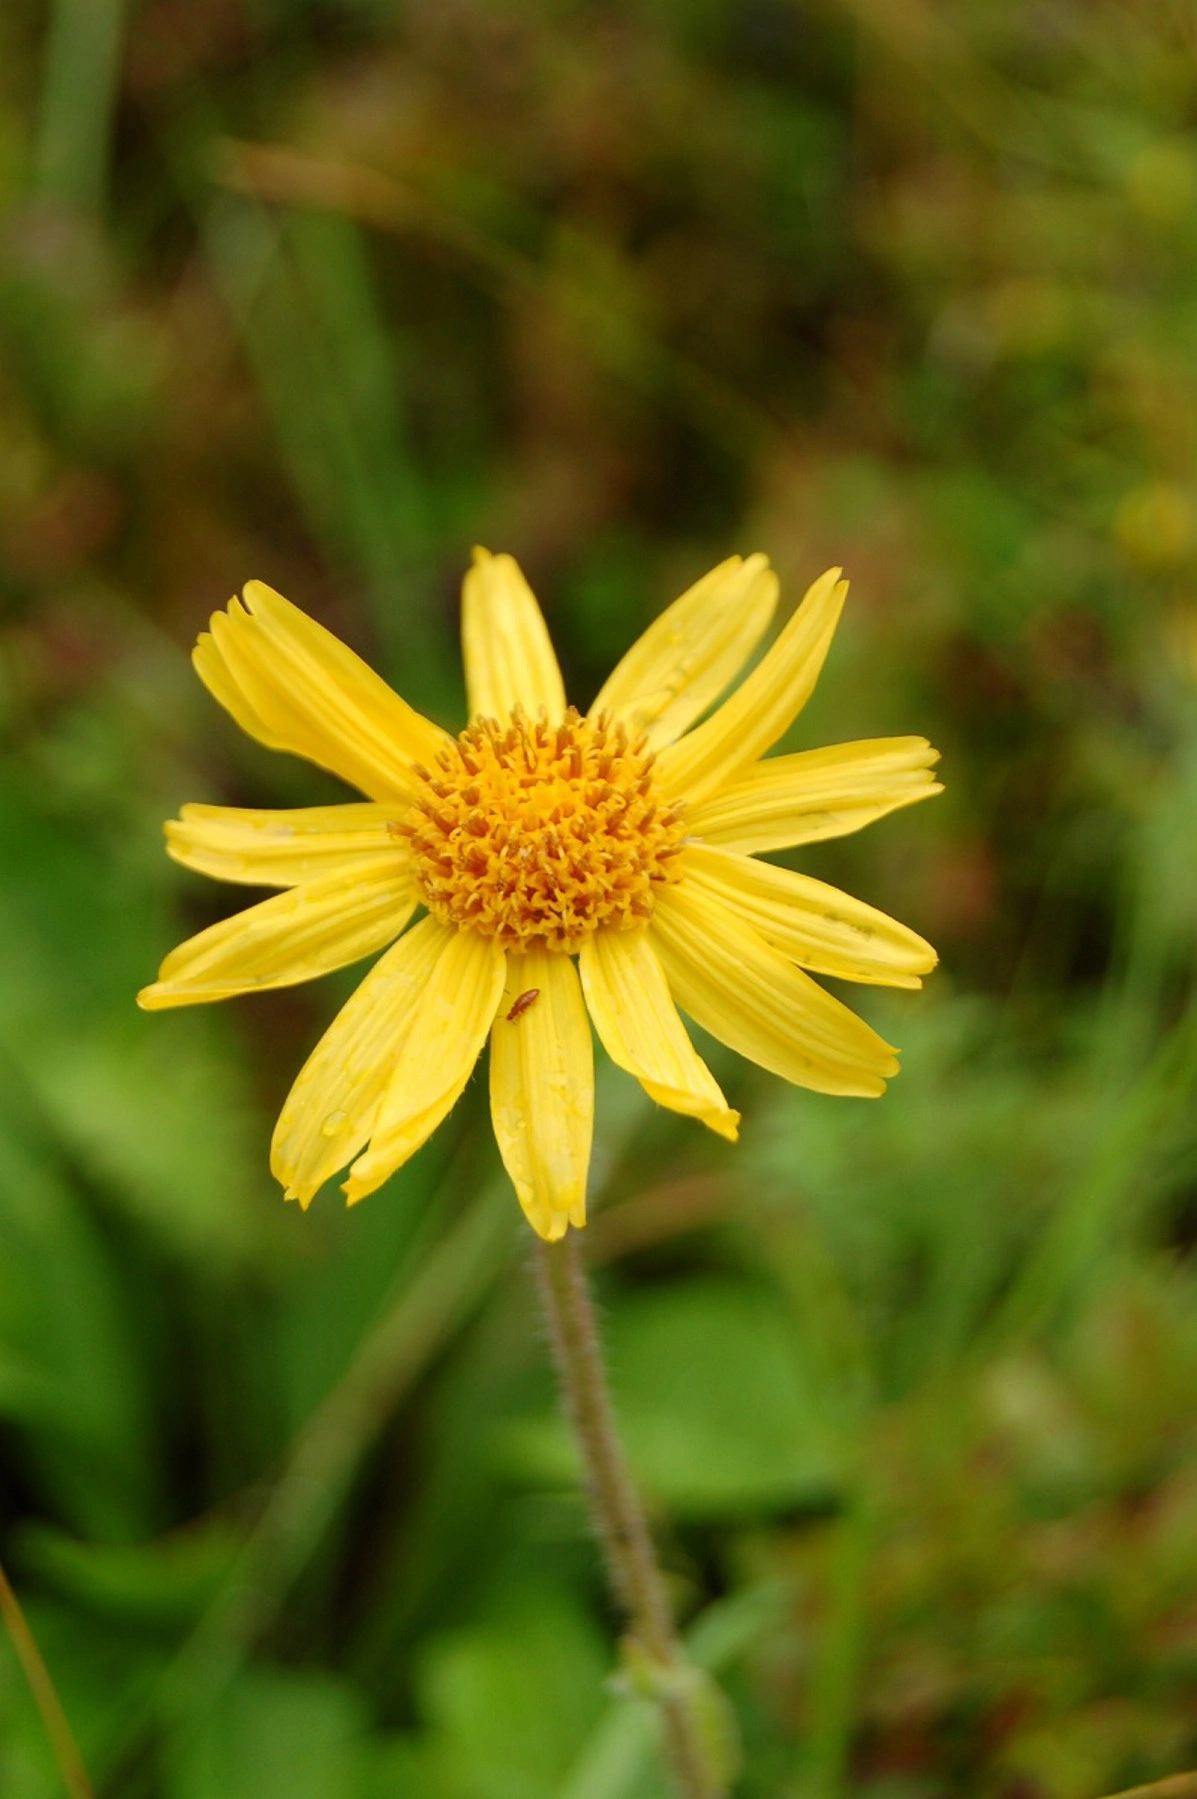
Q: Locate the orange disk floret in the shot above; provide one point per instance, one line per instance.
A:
(539, 834)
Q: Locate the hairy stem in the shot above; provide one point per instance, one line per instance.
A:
(697, 1738)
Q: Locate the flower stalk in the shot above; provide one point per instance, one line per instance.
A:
(696, 1721)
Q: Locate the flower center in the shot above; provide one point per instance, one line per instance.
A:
(540, 834)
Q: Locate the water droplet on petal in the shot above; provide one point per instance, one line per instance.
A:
(334, 1123)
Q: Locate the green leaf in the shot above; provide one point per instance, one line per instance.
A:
(275, 1735)
(511, 1699)
(714, 1401)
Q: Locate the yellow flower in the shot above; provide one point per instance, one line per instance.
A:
(566, 865)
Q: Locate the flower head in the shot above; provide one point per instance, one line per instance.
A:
(570, 869)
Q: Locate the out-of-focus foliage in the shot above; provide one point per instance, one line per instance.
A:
(321, 293)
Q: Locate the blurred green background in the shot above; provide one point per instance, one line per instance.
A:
(323, 291)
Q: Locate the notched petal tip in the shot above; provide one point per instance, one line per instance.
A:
(256, 595)
(286, 1173)
(294, 686)
(724, 1121)
(358, 1187)
(551, 1220)
(691, 652)
(551, 1227)
(873, 1085)
(509, 658)
(765, 704)
(926, 964)
(724, 1124)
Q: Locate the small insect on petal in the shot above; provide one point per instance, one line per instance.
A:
(522, 1003)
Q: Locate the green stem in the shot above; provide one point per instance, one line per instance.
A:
(66, 1753)
(693, 1714)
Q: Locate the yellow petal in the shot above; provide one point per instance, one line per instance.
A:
(294, 686)
(735, 985)
(509, 658)
(816, 794)
(330, 1111)
(686, 658)
(281, 849)
(210, 666)
(293, 937)
(764, 705)
(436, 1058)
(817, 926)
(638, 1026)
(542, 1089)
